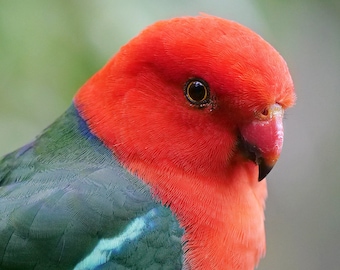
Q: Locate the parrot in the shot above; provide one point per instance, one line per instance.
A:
(160, 160)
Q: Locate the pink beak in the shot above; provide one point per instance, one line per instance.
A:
(263, 139)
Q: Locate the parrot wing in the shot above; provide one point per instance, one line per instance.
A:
(65, 202)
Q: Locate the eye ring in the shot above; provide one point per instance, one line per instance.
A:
(197, 92)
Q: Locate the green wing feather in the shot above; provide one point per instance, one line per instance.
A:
(63, 193)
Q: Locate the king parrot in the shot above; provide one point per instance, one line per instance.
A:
(157, 163)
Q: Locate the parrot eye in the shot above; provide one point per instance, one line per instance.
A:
(197, 92)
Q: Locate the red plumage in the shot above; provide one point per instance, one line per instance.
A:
(190, 155)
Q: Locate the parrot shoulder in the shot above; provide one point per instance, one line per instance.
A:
(66, 201)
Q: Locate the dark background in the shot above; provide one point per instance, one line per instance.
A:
(48, 49)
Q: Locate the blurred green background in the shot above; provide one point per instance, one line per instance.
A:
(48, 49)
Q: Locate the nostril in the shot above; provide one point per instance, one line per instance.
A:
(269, 112)
(265, 112)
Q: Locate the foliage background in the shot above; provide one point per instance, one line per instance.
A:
(48, 49)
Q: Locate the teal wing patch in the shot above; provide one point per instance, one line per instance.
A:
(66, 203)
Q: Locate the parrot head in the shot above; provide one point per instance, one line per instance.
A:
(196, 93)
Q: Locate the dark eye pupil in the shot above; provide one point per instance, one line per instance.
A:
(197, 91)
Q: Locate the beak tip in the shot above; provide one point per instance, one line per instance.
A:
(265, 165)
(264, 170)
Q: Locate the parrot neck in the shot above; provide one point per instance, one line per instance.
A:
(223, 216)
